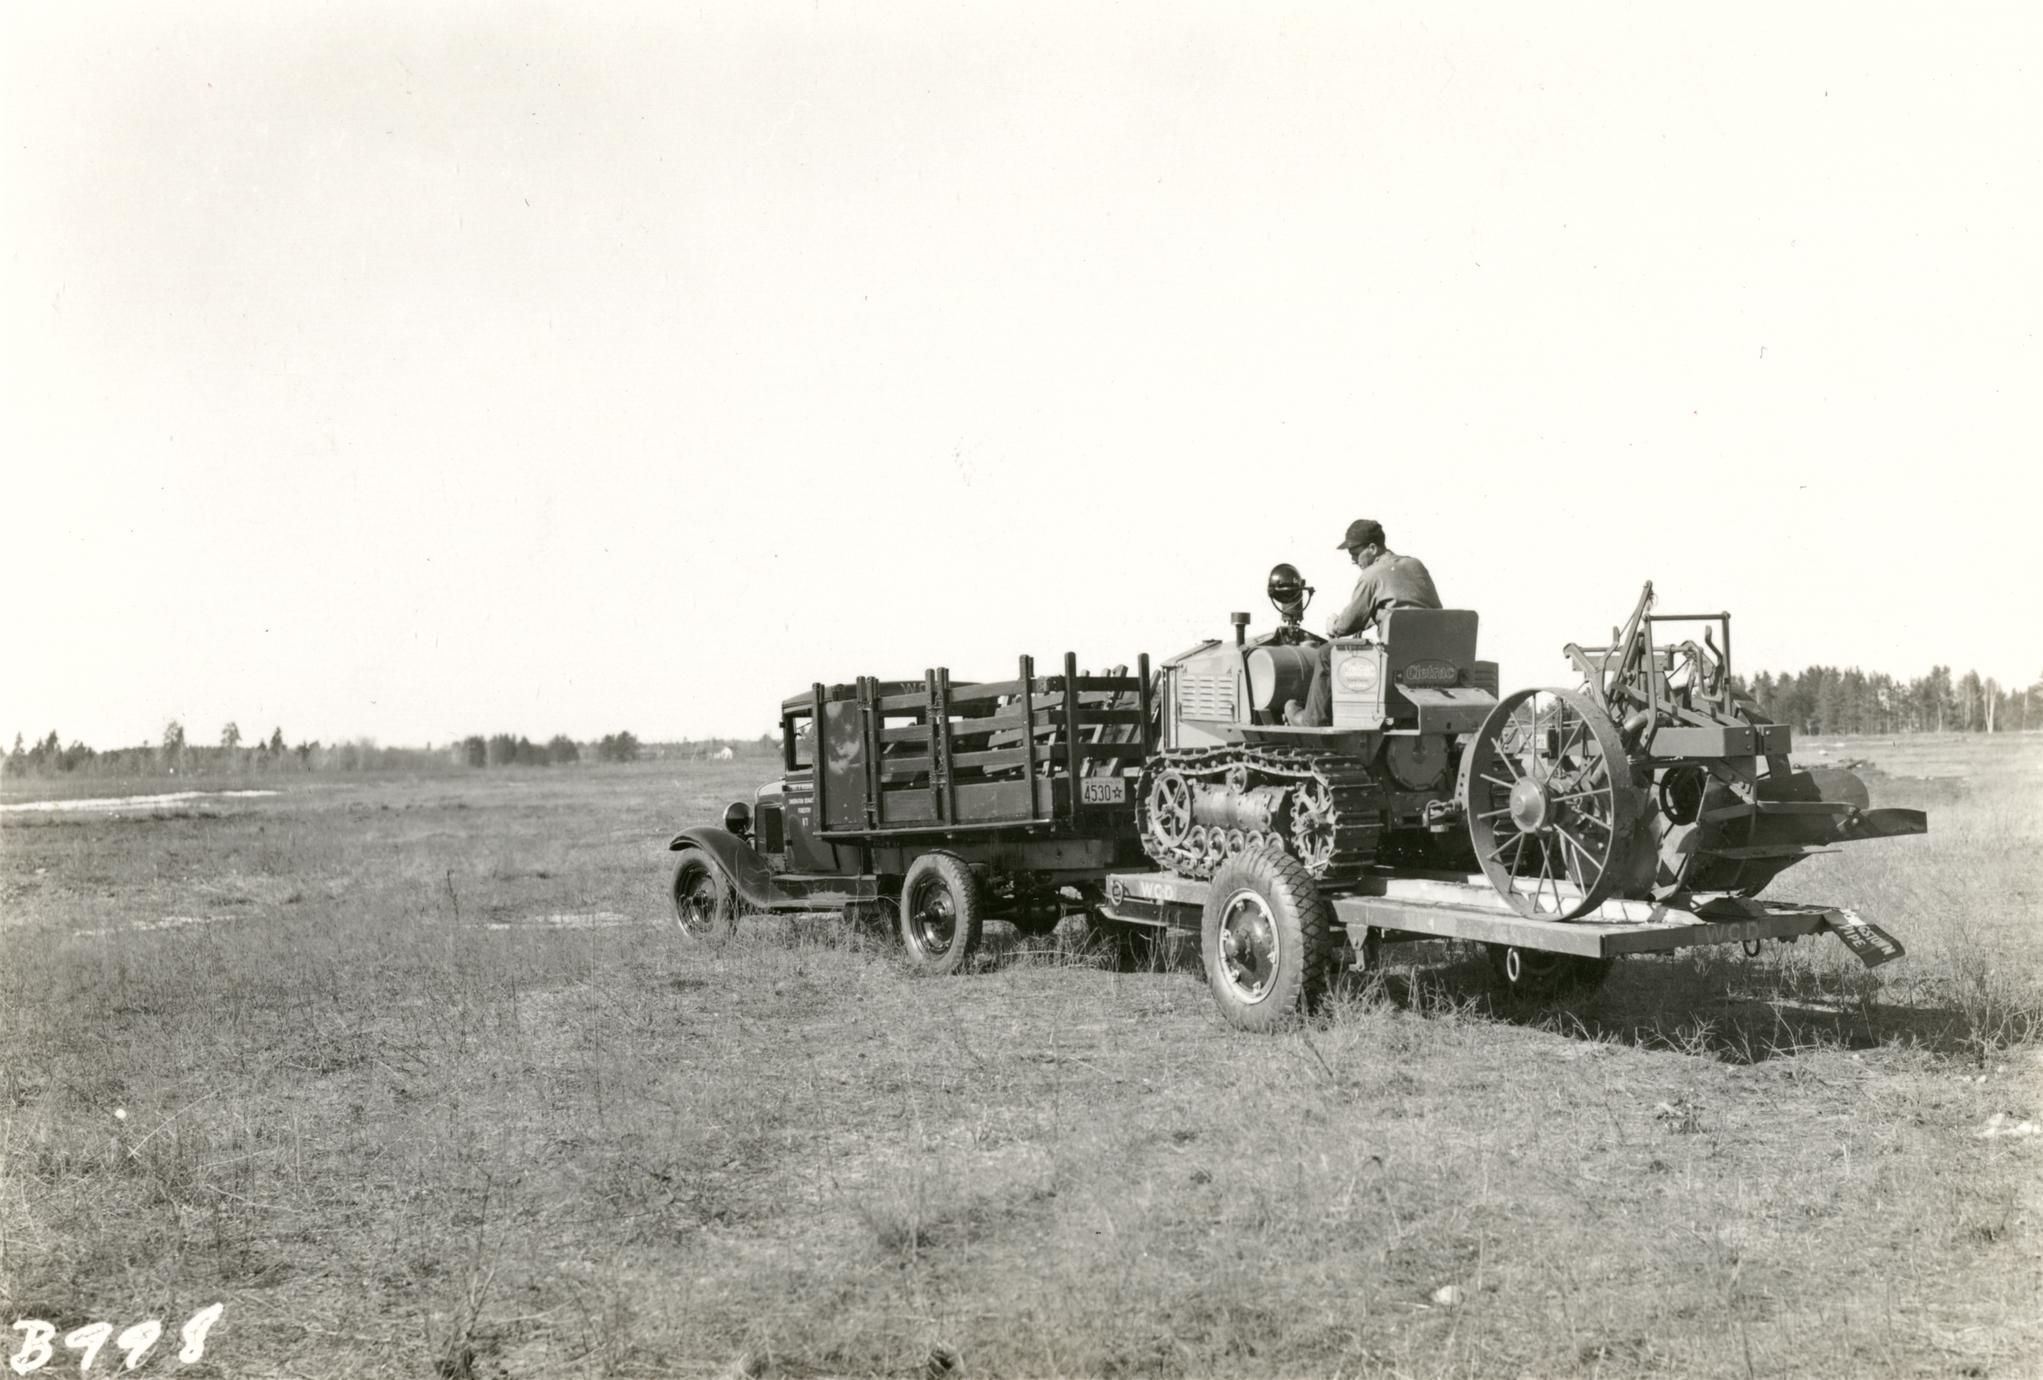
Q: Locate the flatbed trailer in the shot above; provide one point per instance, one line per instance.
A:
(1239, 909)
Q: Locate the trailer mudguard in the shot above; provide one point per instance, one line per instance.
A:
(762, 889)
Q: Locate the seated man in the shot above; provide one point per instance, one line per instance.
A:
(1388, 581)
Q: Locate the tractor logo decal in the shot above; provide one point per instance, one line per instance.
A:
(1429, 673)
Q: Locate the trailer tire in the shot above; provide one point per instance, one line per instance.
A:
(1539, 974)
(1266, 938)
(942, 914)
(704, 907)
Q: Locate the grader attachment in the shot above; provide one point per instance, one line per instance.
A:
(1657, 777)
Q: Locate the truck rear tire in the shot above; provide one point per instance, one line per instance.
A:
(942, 914)
(1266, 939)
(1533, 973)
(704, 907)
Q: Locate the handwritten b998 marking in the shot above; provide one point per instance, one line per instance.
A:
(38, 1339)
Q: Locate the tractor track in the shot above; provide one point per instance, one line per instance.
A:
(1330, 818)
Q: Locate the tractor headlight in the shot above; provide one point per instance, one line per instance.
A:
(1356, 674)
(738, 818)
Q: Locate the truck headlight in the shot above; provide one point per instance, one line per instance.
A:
(738, 818)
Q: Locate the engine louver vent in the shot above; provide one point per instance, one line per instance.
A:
(1206, 697)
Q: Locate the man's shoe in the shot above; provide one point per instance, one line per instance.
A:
(1293, 711)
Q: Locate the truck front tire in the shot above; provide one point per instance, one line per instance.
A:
(704, 907)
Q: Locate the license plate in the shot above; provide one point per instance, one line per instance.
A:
(1104, 790)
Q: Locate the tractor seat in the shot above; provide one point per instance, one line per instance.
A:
(1447, 635)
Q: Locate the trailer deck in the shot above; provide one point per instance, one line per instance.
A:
(1393, 907)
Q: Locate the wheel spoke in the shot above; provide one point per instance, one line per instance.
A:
(1546, 864)
(1583, 853)
(1561, 757)
(1577, 795)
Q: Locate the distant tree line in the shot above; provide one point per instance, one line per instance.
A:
(175, 755)
(1825, 699)
(506, 750)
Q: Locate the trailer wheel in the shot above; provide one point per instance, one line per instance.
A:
(703, 904)
(942, 913)
(1267, 940)
(1534, 973)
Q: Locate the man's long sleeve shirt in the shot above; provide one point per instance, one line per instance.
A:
(1390, 581)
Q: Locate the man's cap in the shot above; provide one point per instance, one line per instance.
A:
(1361, 532)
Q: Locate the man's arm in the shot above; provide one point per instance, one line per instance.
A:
(1360, 609)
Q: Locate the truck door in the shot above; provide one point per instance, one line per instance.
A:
(805, 852)
(840, 765)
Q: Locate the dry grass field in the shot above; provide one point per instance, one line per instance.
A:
(412, 1075)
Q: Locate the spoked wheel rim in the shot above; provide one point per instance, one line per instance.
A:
(1250, 949)
(1552, 808)
(1312, 825)
(932, 917)
(1170, 806)
(697, 899)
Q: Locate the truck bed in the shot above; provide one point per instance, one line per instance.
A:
(934, 756)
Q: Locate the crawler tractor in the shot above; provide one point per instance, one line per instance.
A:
(1657, 777)
(1377, 786)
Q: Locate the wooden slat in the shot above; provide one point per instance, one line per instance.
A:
(1142, 705)
(1129, 715)
(1018, 801)
(988, 691)
(898, 704)
(991, 761)
(1072, 765)
(1027, 708)
(1094, 752)
(989, 723)
(904, 768)
(907, 806)
(942, 710)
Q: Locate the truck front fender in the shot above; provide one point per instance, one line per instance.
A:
(762, 889)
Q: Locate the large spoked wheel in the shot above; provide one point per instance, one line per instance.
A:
(942, 913)
(704, 907)
(1553, 810)
(1167, 807)
(1535, 974)
(1266, 940)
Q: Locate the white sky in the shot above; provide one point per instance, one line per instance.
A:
(425, 370)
